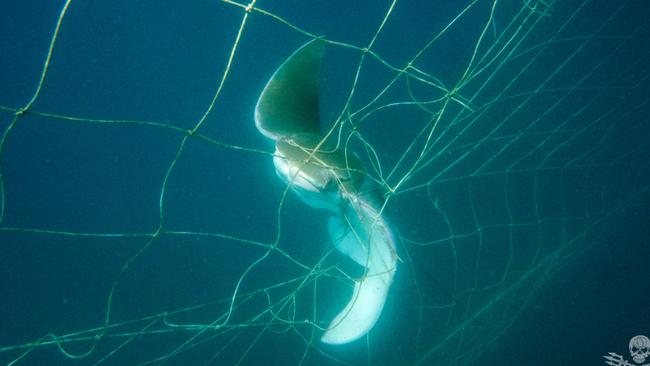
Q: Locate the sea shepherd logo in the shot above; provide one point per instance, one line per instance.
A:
(639, 350)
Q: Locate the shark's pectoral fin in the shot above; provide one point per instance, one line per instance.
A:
(366, 238)
(346, 241)
(362, 311)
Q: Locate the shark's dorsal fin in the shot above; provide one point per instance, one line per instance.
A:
(289, 103)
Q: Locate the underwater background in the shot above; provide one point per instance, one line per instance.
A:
(142, 221)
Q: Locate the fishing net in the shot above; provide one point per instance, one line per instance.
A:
(142, 223)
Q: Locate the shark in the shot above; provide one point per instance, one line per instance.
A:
(325, 177)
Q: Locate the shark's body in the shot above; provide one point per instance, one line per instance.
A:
(325, 178)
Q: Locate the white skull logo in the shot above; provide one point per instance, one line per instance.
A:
(639, 348)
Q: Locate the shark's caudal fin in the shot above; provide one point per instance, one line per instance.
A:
(327, 178)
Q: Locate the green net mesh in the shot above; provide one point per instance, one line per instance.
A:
(129, 153)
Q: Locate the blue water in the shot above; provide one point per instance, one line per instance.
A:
(69, 183)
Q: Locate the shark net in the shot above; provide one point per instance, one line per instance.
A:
(142, 223)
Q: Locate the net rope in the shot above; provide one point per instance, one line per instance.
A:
(489, 184)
